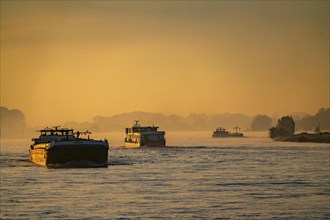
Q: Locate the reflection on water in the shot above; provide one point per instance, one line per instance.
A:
(195, 177)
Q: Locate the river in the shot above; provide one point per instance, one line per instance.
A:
(194, 177)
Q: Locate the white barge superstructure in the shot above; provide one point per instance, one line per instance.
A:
(138, 136)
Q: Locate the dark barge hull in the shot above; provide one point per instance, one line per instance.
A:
(75, 155)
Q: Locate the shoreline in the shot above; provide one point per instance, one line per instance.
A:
(323, 137)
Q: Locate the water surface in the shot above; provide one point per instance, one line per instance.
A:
(195, 177)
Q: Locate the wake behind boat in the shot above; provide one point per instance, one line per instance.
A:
(58, 147)
(138, 136)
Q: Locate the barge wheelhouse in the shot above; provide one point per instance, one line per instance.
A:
(222, 132)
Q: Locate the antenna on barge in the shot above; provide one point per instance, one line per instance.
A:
(56, 127)
(136, 123)
(237, 128)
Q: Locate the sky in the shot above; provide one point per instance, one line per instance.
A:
(72, 60)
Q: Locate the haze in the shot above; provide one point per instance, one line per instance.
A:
(69, 61)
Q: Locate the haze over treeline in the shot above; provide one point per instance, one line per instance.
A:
(13, 122)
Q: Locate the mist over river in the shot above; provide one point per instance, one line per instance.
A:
(194, 177)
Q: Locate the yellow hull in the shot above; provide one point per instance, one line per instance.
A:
(138, 144)
(132, 145)
(38, 155)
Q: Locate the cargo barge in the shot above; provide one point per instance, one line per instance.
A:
(138, 136)
(60, 146)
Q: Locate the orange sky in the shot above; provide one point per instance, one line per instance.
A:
(69, 61)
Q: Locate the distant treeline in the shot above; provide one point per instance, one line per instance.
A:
(13, 122)
(321, 118)
(199, 122)
(193, 122)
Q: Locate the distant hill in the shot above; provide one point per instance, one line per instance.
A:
(261, 123)
(309, 122)
(12, 123)
(193, 122)
(197, 122)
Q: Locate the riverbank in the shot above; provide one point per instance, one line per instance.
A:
(323, 137)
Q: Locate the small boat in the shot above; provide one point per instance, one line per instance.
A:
(138, 136)
(222, 132)
(56, 147)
